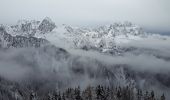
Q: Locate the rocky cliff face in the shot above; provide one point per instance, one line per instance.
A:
(30, 28)
(46, 25)
(7, 40)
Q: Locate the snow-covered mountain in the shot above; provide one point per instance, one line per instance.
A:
(104, 38)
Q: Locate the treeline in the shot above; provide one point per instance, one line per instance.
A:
(98, 93)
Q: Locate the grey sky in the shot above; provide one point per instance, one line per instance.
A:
(150, 14)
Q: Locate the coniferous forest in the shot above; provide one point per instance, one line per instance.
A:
(98, 93)
(14, 91)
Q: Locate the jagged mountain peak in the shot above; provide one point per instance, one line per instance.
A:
(47, 25)
(48, 19)
(30, 27)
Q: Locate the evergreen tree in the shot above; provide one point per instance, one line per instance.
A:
(77, 94)
(87, 93)
(119, 93)
(152, 96)
(139, 94)
(63, 97)
(59, 96)
(33, 95)
(146, 96)
(99, 92)
(163, 97)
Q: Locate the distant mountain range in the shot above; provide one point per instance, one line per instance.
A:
(106, 39)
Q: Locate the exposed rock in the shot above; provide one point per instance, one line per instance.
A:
(6, 40)
(46, 25)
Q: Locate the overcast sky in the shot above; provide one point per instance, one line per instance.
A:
(150, 14)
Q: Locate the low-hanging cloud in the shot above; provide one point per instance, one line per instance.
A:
(64, 69)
